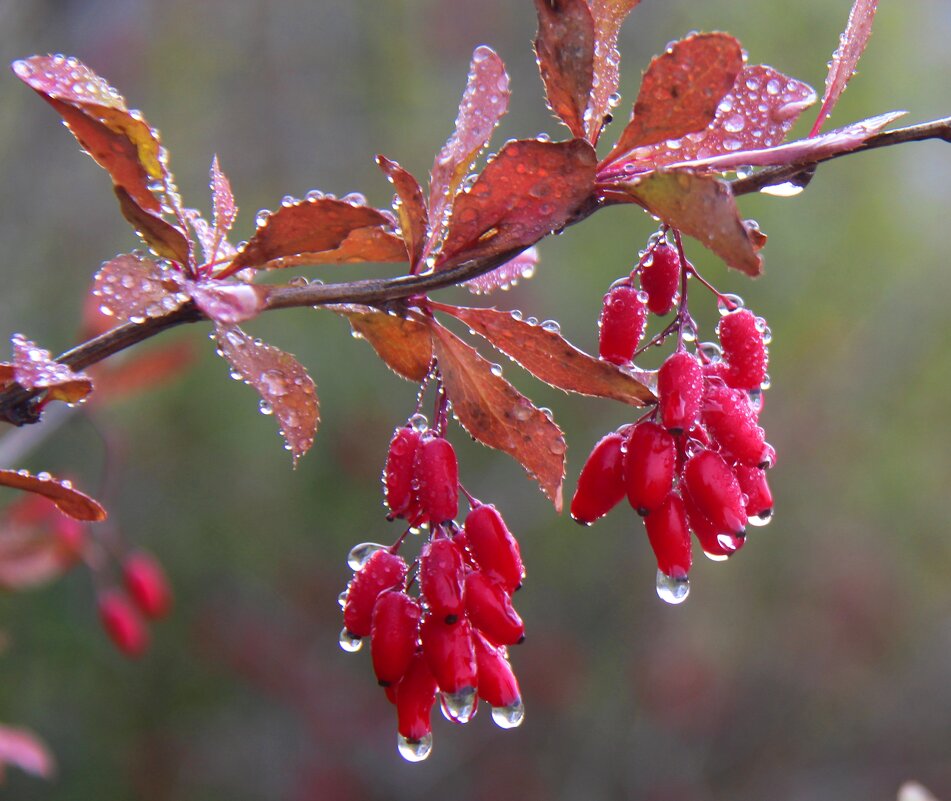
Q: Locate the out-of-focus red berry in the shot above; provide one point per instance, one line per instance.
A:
(147, 585)
(123, 623)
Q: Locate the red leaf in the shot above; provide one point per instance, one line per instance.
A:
(133, 288)
(852, 42)
(144, 371)
(410, 208)
(285, 387)
(316, 230)
(222, 202)
(703, 207)
(23, 749)
(681, 89)
(34, 368)
(499, 416)
(404, 345)
(38, 543)
(608, 16)
(564, 50)
(70, 501)
(483, 103)
(506, 276)
(547, 355)
(225, 302)
(530, 189)
(162, 237)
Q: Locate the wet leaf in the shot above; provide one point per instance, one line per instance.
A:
(608, 17)
(506, 276)
(411, 209)
(547, 355)
(222, 201)
(852, 42)
(703, 207)
(34, 368)
(227, 303)
(681, 90)
(316, 231)
(404, 345)
(483, 103)
(24, 750)
(161, 236)
(564, 50)
(133, 288)
(285, 387)
(499, 416)
(529, 190)
(68, 500)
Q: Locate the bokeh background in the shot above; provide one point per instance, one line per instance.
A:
(813, 666)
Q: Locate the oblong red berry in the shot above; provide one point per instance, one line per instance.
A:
(669, 536)
(398, 472)
(123, 623)
(381, 571)
(436, 474)
(731, 421)
(743, 348)
(493, 547)
(716, 544)
(450, 653)
(680, 391)
(394, 635)
(415, 696)
(497, 683)
(146, 584)
(713, 485)
(660, 279)
(622, 323)
(489, 608)
(649, 464)
(601, 482)
(759, 499)
(441, 578)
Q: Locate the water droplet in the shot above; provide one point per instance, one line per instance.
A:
(762, 518)
(274, 382)
(419, 422)
(516, 314)
(496, 370)
(672, 589)
(415, 750)
(261, 217)
(729, 303)
(788, 189)
(711, 351)
(756, 399)
(716, 557)
(349, 642)
(552, 326)
(342, 599)
(767, 383)
(460, 706)
(264, 407)
(687, 332)
(359, 554)
(734, 124)
(727, 541)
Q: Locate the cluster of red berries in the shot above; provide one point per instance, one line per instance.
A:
(451, 638)
(145, 595)
(696, 462)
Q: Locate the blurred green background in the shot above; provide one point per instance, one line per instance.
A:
(812, 666)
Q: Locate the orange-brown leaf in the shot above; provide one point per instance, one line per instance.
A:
(499, 416)
(162, 237)
(404, 345)
(68, 500)
(411, 208)
(608, 17)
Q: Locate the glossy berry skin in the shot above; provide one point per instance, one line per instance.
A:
(497, 683)
(669, 536)
(398, 473)
(622, 323)
(680, 388)
(123, 624)
(394, 632)
(731, 421)
(660, 279)
(449, 653)
(436, 473)
(381, 571)
(714, 543)
(441, 579)
(147, 585)
(753, 483)
(713, 486)
(743, 349)
(601, 483)
(649, 466)
(489, 608)
(415, 696)
(493, 547)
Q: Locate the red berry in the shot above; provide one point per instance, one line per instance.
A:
(450, 654)
(731, 421)
(497, 683)
(398, 473)
(713, 485)
(381, 571)
(437, 475)
(440, 579)
(601, 483)
(649, 466)
(415, 695)
(680, 388)
(394, 634)
(759, 503)
(660, 279)
(123, 624)
(715, 544)
(147, 585)
(743, 349)
(669, 536)
(622, 323)
(489, 608)
(493, 547)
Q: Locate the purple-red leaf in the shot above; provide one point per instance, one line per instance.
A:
(499, 416)
(547, 355)
(852, 43)
(26, 751)
(529, 190)
(161, 236)
(227, 303)
(564, 50)
(133, 288)
(608, 17)
(69, 501)
(506, 276)
(404, 345)
(222, 201)
(681, 90)
(483, 103)
(38, 543)
(285, 387)
(410, 208)
(34, 368)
